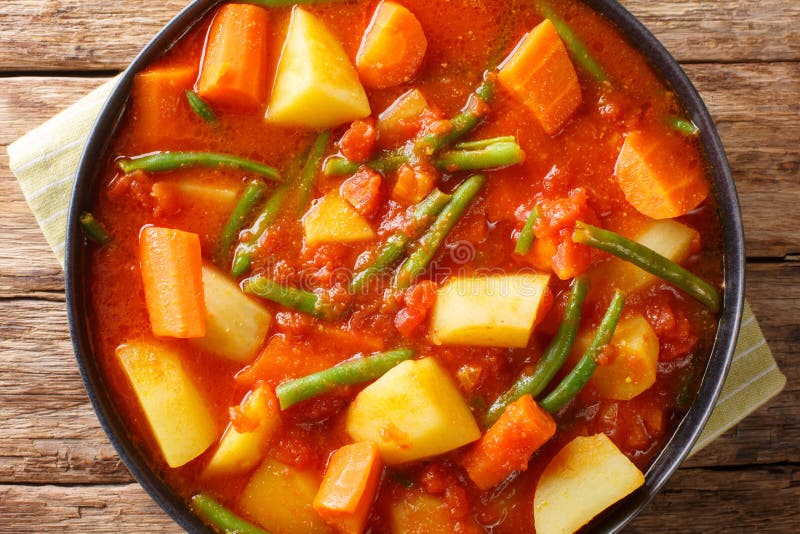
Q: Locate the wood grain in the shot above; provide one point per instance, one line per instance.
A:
(87, 35)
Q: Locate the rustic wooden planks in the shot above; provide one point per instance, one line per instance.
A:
(88, 35)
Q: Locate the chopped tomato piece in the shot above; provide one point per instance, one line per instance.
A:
(419, 299)
(358, 141)
(363, 191)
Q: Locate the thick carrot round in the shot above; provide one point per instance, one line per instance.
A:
(393, 47)
(509, 443)
(659, 175)
(349, 486)
(234, 72)
(172, 265)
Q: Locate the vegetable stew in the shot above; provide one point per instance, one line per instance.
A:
(403, 266)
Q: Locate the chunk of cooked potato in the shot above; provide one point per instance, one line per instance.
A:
(315, 85)
(498, 311)
(413, 411)
(333, 220)
(635, 361)
(280, 498)
(588, 475)
(167, 394)
(235, 324)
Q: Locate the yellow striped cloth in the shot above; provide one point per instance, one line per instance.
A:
(45, 160)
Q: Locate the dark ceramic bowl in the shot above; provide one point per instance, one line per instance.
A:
(688, 430)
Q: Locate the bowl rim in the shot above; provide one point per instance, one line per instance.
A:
(674, 451)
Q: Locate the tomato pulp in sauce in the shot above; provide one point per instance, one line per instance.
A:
(577, 164)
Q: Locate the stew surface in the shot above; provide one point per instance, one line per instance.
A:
(197, 335)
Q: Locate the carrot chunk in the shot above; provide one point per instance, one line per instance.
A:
(159, 111)
(349, 486)
(509, 443)
(540, 74)
(393, 47)
(234, 70)
(172, 265)
(660, 175)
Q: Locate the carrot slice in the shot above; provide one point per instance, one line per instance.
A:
(171, 265)
(509, 443)
(349, 486)
(659, 174)
(393, 47)
(540, 74)
(159, 110)
(234, 70)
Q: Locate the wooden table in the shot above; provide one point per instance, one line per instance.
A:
(57, 469)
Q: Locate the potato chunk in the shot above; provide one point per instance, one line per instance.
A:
(635, 364)
(239, 452)
(419, 513)
(333, 220)
(280, 498)
(235, 325)
(496, 311)
(315, 85)
(413, 411)
(671, 239)
(586, 476)
(167, 394)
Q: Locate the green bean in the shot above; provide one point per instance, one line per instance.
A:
(648, 260)
(93, 229)
(494, 156)
(252, 194)
(170, 161)
(391, 251)
(396, 245)
(463, 123)
(200, 106)
(573, 383)
(483, 143)
(220, 517)
(527, 235)
(309, 172)
(430, 242)
(578, 49)
(243, 256)
(355, 371)
(684, 126)
(553, 358)
(385, 163)
(290, 297)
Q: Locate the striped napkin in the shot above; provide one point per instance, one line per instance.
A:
(45, 160)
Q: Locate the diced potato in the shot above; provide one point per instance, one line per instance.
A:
(671, 239)
(315, 85)
(413, 411)
(635, 364)
(496, 311)
(280, 497)
(333, 220)
(405, 109)
(167, 394)
(199, 192)
(239, 452)
(419, 513)
(235, 325)
(587, 476)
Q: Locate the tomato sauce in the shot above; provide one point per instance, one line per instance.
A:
(570, 174)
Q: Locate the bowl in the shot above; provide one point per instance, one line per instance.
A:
(688, 430)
